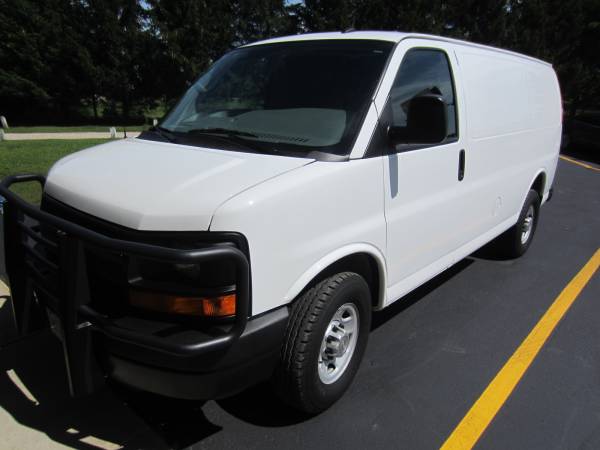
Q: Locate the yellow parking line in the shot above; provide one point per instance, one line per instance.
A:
(472, 426)
(579, 163)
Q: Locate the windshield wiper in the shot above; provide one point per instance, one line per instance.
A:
(163, 132)
(225, 131)
(226, 134)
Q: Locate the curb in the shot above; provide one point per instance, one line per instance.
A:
(8, 330)
(68, 135)
(4, 291)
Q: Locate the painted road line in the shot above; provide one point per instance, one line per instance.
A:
(472, 426)
(579, 163)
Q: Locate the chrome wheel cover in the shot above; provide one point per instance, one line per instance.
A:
(527, 224)
(339, 343)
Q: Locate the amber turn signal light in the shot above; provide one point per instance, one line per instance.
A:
(219, 306)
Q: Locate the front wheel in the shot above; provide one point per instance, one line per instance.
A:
(325, 340)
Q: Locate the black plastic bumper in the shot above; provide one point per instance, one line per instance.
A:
(250, 359)
(46, 266)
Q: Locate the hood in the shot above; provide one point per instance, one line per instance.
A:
(148, 185)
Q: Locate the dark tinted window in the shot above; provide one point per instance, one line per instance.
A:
(423, 71)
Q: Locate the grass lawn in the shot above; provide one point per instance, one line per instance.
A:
(36, 157)
(77, 129)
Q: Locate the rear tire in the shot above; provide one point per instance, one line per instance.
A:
(325, 340)
(515, 241)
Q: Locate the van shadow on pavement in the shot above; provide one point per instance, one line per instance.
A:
(33, 391)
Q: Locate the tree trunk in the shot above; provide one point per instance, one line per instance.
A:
(95, 106)
(126, 107)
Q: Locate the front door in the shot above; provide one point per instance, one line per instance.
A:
(424, 208)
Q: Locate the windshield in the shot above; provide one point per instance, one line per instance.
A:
(296, 97)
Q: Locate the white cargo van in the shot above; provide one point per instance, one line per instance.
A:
(300, 183)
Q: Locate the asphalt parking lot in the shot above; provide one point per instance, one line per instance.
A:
(430, 357)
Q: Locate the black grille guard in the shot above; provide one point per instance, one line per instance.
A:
(69, 298)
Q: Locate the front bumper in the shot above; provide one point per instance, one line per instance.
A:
(250, 359)
(46, 259)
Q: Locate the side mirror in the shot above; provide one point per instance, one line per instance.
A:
(426, 122)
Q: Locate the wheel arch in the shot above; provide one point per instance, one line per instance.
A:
(538, 184)
(364, 259)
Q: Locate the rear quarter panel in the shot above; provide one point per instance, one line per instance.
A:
(514, 125)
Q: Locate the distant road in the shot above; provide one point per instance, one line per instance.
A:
(77, 135)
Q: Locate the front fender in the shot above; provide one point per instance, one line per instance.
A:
(315, 269)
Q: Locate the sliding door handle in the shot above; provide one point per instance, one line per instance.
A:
(461, 165)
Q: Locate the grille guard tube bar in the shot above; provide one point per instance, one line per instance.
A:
(99, 321)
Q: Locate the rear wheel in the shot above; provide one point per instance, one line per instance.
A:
(325, 340)
(515, 242)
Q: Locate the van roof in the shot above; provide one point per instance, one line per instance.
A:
(392, 36)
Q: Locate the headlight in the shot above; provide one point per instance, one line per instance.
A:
(203, 289)
(184, 278)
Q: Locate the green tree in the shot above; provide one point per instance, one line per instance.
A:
(566, 35)
(43, 64)
(329, 15)
(260, 19)
(196, 33)
(412, 15)
(58, 56)
(21, 68)
(193, 33)
(117, 34)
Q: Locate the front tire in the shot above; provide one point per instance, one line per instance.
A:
(325, 341)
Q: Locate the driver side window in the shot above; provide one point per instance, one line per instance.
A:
(422, 71)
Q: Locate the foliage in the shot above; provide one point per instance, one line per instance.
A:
(69, 61)
(564, 34)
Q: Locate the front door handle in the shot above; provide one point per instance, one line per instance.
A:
(461, 165)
